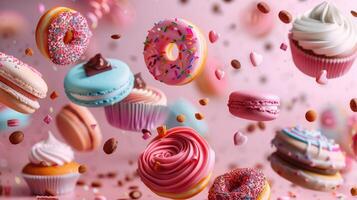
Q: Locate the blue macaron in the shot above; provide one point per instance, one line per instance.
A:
(8, 114)
(102, 89)
(184, 107)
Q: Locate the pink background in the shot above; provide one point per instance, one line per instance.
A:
(283, 79)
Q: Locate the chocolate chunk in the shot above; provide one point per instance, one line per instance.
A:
(16, 137)
(110, 146)
(96, 65)
(139, 82)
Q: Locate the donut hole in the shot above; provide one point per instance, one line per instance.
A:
(68, 37)
(172, 51)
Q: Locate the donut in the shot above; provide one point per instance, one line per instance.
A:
(62, 35)
(159, 51)
(307, 158)
(244, 183)
(177, 165)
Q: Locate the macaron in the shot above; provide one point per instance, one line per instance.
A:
(7, 114)
(79, 128)
(188, 110)
(254, 106)
(307, 158)
(21, 86)
(99, 82)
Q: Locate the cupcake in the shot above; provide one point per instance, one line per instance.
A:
(323, 39)
(177, 164)
(144, 108)
(51, 168)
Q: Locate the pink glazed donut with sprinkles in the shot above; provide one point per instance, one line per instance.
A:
(62, 35)
(159, 52)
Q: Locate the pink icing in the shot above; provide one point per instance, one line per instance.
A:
(176, 162)
(61, 53)
(146, 96)
(186, 38)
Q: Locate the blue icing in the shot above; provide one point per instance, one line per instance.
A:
(7, 114)
(119, 79)
(312, 137)
(184, 107)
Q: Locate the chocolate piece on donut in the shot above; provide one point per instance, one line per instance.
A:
(244, 183)
(139, 82)
(96, 65)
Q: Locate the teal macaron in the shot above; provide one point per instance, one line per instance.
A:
(99, 86)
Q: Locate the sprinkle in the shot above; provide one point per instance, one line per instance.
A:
(283, 46)
(311, 115)
(161, 130)
(199, 116)
(263, 7)
(219, 74)
(16, 137)
(256, 59)
(115, 36)
(213, 36)
(82, 169)
(236, 64)
(47, 119)
(28, 52)
(285, 16)
(180, 118)
(354, 13)
(13, 122)
(353, 104)
(204, 101)
(54, 95)
(239, 138)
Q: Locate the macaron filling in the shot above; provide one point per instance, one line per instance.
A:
(269, 106)
(18, 89)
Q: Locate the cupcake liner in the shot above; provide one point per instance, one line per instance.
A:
(59, 185)
(312, 65)
(135, 116)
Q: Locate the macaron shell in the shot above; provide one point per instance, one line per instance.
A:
(304, 178)
(252, 96)
(75, 125)
(120, 79)
(22, 75)
(12, 101)
(73, 131)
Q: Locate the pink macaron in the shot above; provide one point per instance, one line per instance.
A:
(79, 128)
(254, 106)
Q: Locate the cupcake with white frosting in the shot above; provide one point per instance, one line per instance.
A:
(323, 39)
(51, 168)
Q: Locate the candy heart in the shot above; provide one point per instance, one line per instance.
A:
(322, 77)
(219, 74)
(239, 138)
(213, 36)
(256, 59)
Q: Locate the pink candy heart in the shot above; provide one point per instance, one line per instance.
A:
(219, 74)
(213, 36)
(239, 138)
(322, 77)
(256, 59)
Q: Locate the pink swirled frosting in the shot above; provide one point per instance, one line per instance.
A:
(146, 95)
(51, 152)
(176, 162)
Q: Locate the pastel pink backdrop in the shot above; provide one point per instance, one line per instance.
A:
(283, 79)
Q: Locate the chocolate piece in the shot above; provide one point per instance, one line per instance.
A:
(96, 65)
(139, 82)
(16, 137)
(110, 146)
(82, 169)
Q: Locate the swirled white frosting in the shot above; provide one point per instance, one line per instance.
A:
(147, 95)
(51, 152)
(325, 31)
